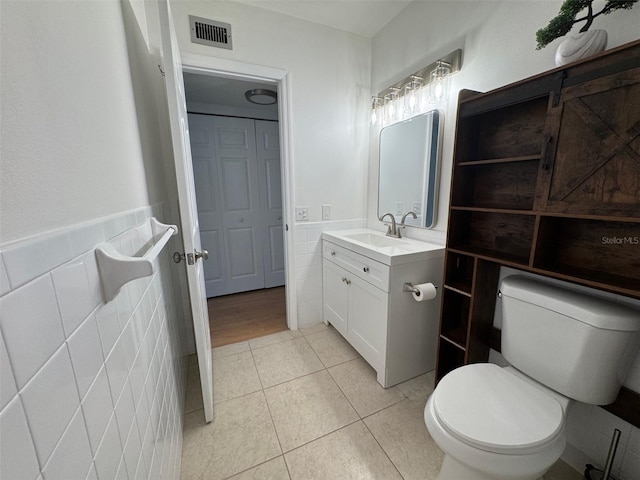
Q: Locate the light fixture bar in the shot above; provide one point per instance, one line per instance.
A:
(453, 59)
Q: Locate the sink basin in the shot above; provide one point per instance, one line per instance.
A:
(376, 240)
(387, 250)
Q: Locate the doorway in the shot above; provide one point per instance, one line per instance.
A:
(235, 148)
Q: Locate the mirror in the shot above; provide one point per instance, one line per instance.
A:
(409, 152)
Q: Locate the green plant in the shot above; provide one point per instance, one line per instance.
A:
(562, 23)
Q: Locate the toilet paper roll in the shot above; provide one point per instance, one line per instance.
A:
(426, 291)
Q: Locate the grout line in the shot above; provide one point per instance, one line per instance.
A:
(381, 447)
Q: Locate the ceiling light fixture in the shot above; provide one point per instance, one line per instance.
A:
(261, 96)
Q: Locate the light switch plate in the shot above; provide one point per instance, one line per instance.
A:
(417, 207)
(326, 212)
(302, 214)
(399, 208)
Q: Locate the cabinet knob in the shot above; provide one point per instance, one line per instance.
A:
(348, 282)
(365, 269)
(333, 254)
(344, 279)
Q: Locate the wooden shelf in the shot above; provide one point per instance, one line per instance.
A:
(522, 158)
(453, 342)
(492, 256)
(492, 210)
(463, 288)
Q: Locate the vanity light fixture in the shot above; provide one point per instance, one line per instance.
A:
(376, 111)
(391, 105)
(412, 95)
(439, 82)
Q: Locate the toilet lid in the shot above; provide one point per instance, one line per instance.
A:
(491, 409)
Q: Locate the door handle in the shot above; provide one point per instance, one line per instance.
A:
(204, 255)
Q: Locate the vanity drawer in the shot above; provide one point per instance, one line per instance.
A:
(371, 271)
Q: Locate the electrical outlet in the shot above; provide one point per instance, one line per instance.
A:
(417, 207)
(302, 214)
(326, 211)
(399, 208)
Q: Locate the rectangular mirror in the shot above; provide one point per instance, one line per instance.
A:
(409, 153)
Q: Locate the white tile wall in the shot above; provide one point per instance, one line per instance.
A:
(89, 390)
(308, 248)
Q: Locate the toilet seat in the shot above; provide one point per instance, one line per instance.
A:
(504, 414)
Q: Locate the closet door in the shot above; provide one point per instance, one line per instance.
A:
(205, 172)
(235, 149)
(268, 152)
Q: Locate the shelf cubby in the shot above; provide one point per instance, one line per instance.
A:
(601, 252)
(509, 132)
(456, 323)
(459, 273)
(493, 235)
(509, 185)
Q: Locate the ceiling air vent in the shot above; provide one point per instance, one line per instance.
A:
(210, 32)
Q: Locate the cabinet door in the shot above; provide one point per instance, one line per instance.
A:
(597, 162)
(335, 297)
(368, 321)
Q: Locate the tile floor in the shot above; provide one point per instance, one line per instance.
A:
(305, 405)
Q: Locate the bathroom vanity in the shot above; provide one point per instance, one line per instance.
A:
(363, 276)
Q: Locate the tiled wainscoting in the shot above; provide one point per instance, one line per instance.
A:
(308, 250)
(89, 390)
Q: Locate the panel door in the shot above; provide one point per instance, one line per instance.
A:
(216, 268)
(335, 293)
(240, 202)
(368, 322)
(597, 162)
(268, 153)
(177, 107)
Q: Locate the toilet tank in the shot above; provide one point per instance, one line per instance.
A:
(579, 345)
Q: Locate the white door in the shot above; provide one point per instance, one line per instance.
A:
(268, 153)
(186, 198)
(235, 143)
(205, 169)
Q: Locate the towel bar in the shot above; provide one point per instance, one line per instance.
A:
(116, 269)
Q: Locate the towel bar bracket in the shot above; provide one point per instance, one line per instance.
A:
(116, 269)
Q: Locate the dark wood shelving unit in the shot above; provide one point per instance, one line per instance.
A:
(546, 179)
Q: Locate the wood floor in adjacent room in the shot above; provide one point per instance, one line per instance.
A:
(243, 316)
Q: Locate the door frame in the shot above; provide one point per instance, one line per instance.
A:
(219, 67)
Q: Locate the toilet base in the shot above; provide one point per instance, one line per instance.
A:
(452, 469)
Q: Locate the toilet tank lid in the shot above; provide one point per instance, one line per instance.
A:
(594, 311)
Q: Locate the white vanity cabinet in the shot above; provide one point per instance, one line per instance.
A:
(364, 301)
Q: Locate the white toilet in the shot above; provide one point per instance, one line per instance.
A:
(509, 423)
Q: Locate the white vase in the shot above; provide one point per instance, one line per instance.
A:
(581, 45)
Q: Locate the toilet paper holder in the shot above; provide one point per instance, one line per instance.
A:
(408, 287)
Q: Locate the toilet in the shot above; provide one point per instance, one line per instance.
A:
(510, 423)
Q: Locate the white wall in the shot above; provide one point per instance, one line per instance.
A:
(88, 388)
(68, 117)
(330, 73)
(499, 47)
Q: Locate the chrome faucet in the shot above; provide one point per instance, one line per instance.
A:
(410, 212)
(392, 231)
(404, 217)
